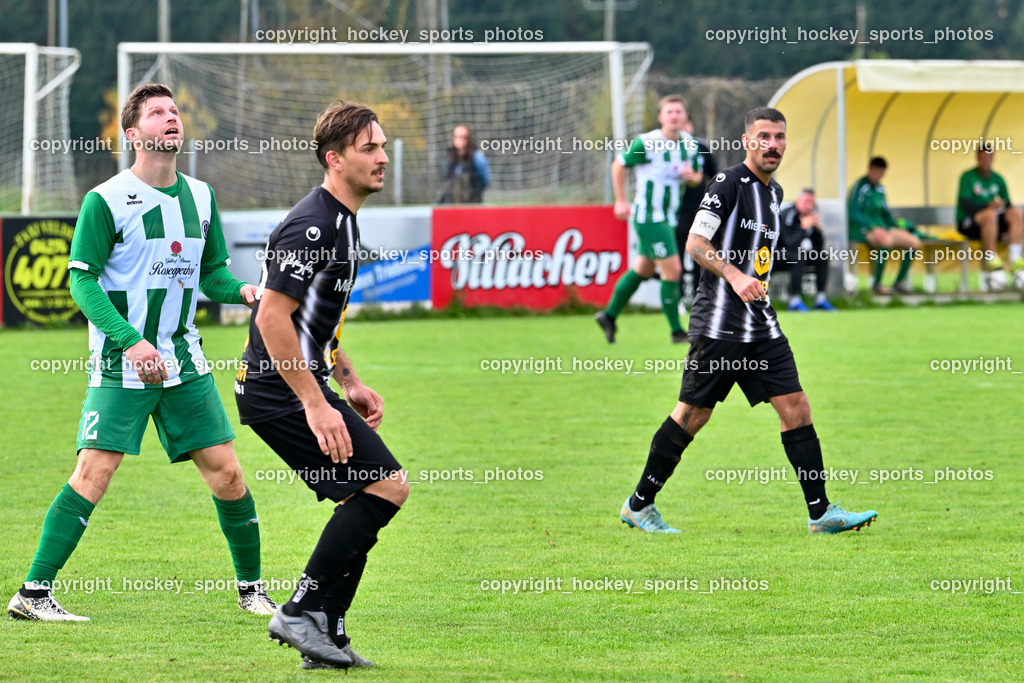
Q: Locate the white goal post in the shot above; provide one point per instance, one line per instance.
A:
(36, 165)
(249, 111)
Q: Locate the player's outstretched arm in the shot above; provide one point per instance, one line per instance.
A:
(273, 318)
(706, 256)
(362, 398)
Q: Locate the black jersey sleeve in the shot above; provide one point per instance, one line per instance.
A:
(720, 195)
(298, 249)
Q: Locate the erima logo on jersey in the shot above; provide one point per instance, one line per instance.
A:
(711, 200)
(133, 200)
(749, 224)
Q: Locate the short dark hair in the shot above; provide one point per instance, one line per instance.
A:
(132, 109)
(808, 190)
(878, 162)
(338, 126)
(763, 114)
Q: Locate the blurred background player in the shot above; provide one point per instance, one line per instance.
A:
(735, 336)
(803, 245)
(466, 175)
(688, 207)
(145, 241)
(871, 222)
(284, 393)
(984, 212)
(663, 158)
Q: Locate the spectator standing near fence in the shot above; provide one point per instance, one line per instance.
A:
(466, 175)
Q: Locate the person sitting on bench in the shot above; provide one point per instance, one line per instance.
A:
(871, 222)
(803, 244)
(984, 212)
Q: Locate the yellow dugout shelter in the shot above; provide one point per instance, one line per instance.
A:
(926, 117)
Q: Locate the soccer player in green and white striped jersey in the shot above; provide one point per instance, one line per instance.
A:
(146, 240)
(663, 159)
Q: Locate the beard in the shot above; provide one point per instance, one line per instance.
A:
(150, 143)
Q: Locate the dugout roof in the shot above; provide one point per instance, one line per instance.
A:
(840, 114)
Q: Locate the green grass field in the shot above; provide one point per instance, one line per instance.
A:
(856, 606)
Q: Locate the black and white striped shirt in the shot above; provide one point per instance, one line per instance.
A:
(746, 237)
(312, 256)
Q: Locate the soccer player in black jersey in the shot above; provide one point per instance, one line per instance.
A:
(734, 335)
(283, 389)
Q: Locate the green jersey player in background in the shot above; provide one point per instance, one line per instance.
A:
(145, 241)
(663, 159)
(984, 212)
(871, 222)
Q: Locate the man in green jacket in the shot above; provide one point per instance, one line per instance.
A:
(984, 212)
(872, 223)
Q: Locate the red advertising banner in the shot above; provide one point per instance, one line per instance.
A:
(526, 256)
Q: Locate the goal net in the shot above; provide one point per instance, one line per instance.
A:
(544, 115)
(37, 171)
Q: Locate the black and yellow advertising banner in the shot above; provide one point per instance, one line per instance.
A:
(36, 284)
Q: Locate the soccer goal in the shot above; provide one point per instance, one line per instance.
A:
(544, 114)
(37, 170)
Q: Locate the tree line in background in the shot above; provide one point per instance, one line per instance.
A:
(678, 31)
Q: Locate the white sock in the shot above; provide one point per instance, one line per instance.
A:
(794, 300)
(1016, 251)
(820, 298)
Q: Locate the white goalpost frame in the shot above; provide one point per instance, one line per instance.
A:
(32, 96)
(620, 91)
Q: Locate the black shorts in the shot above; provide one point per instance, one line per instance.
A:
(972, 231)
(763, 369)
(291, 438)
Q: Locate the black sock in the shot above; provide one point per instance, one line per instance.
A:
(804, 452)
(339, 599)
(349, 534)
(666, 450)
(27, 592)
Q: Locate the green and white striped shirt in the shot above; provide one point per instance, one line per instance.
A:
(148, 247)
(657, 162)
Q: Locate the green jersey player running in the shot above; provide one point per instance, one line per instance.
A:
(663, 159)
(145, 241)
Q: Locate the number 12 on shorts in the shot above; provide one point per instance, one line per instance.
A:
(89, 421)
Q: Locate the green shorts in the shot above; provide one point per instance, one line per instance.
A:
(188, 416)
(657, 240)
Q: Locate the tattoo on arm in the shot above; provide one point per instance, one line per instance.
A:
(345, 372)
(704, 254)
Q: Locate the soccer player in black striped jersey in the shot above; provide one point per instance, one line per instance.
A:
(283, 389)
(734, 335)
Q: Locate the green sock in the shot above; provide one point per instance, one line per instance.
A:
(624, 289)
(670, 304)
(905, 265)
(883, 255)
(241, 528)
(63, 526)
